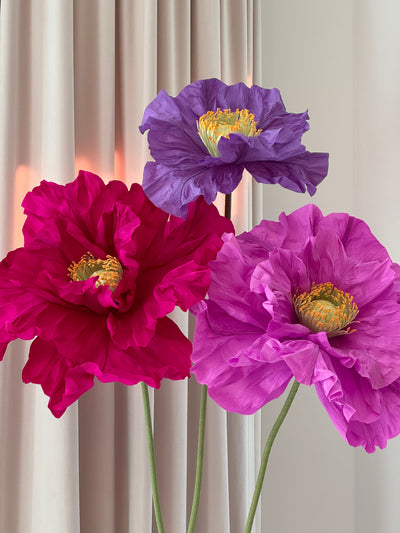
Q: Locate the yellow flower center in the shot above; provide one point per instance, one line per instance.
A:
(108, 270)
(326, 308)
(216, 124)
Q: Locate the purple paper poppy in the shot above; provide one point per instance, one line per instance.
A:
(203, 139)
(100, 270)
(310, 297)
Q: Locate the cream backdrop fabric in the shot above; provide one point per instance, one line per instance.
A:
(341, 60)
(75, 77)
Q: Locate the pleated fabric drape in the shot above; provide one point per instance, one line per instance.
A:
(75, 78)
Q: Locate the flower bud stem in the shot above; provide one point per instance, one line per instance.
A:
(152, 461)
(265, 456)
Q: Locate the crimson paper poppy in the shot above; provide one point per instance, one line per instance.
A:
(100, 270)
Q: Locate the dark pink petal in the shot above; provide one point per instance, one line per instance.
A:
(199, 235)
(166, 356)
(83, 330)
(60, 380)
(50, 201)
(183, 286)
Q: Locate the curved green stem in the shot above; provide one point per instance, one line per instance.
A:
(150, 447)
(265, 456)
(199, 464)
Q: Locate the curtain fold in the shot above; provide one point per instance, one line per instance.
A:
(75, 79)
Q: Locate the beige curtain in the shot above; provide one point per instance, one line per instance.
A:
(75, 78)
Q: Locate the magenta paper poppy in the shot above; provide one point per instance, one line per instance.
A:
(204, 138)
(100, 270)
(310, 297)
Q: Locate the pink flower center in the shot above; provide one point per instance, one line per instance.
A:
(326, 308)
(216, 124)
(108, 270)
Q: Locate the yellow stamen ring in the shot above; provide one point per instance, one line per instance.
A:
(108, 270)
(216, 124)
(326, 308)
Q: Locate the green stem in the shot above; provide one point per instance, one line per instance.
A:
(150, 447)
(267, 451)
(199, 464)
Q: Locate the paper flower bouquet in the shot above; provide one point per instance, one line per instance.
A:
(309, 299)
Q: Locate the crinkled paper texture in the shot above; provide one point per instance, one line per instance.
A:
(82, 331)
(249, 343)
(183, 169)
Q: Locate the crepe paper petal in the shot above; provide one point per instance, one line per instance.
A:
(203, 139)
(310, 297)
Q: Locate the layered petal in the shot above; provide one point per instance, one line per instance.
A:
(63, 382)
(239, 364)
(304, 298)
(267, 143)
(364, 416)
